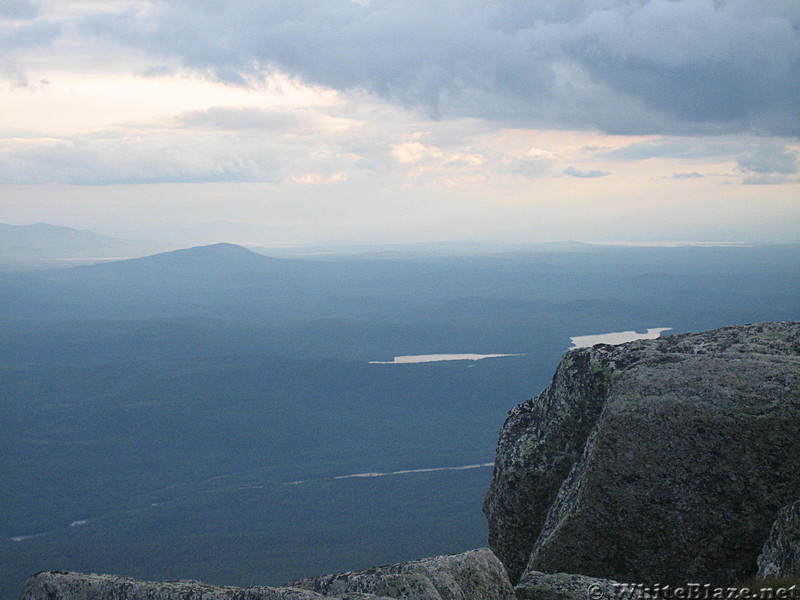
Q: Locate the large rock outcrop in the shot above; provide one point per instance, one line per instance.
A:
(780, 556)
(474, 575)
(477, 574)
(657, 461)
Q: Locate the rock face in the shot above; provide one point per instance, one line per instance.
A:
(474, 575)
(657, 461)
(781, 553)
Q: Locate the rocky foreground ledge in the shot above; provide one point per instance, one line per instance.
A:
(473, 575)
(658, 461)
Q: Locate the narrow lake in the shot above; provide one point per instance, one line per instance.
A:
(404, 472)
(424, 358)
(615, 337)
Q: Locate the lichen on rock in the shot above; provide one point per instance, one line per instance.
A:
(780, 556)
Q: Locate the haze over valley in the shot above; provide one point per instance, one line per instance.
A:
(166, 402)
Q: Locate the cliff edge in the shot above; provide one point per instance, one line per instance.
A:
(657, 461)
(473, 575)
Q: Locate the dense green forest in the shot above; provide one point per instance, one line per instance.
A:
(157, 413)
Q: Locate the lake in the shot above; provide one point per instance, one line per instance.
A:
(424, 358)
(616, 337)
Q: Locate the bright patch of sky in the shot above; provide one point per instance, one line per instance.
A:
(403, 120)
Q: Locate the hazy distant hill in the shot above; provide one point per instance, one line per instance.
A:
(42, 245)
(200, 263)
(604, 287)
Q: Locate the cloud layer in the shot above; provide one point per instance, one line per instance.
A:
(406, 119)
(630, 67)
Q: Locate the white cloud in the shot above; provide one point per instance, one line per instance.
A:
(318, 178)
(415, 152)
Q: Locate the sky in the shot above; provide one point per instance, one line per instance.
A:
(392, 121)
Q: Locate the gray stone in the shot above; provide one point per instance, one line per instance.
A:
(780, 556)
(658, 461)
(539, 442)
(62, 585)
(473, 575)
(565, 586)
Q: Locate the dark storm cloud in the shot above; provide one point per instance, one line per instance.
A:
(657, 66)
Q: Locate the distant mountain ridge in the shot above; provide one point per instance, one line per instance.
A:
(42, 245)
(197, 264)
(211, 256)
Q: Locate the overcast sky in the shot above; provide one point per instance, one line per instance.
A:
(288, 121)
